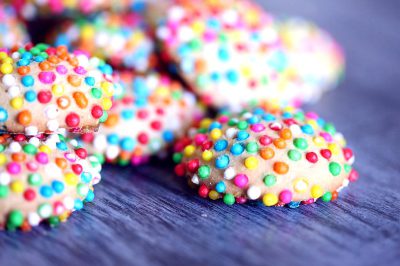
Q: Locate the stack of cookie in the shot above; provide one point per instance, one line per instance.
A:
(218, 84)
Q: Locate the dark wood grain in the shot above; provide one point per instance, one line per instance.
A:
(146, 216)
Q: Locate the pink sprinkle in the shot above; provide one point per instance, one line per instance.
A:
(241, 180)
(199, 139)
(70, 157)
(42, 158)
(32, 166)
(326, 136)
(223, 119)
(13, 168)
(47, 77)
(257, 127)
(80, 70)
(312, 115)
(61, 70)
(209, 36)
(285, 196)
(241, 200)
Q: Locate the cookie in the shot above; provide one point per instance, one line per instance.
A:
(148, 114)
(121, 39)
(44, 88)
(12, 32)
(283, 158)
(235, 48)
(43, 178)
(31, 9)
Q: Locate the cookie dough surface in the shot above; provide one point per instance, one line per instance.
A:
(44, 89)
(278, 158)
(148, 114)
(234, 48)
(43, 179)
(121, 39)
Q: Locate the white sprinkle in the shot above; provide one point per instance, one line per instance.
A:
(254, 192)
(229, 173)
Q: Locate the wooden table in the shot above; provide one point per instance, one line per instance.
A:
(146, 216)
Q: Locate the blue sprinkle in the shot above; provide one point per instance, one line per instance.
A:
(30, 96)
(232, 76)
(23, 62)
(321, 122)
(237, 149)
(213, 125)
(220, 187)
(168, 136)
(140, 87)
(27, 81)
(86, 177)
(26, 56)
(3, 114)
(57, 186)
(253, 120)
(307, 129)
(215, 76)
(223, 54)
(294, 204)
(112, 139)
(46, 191)
(269, 117)
(222, 162)
(127, 144)
(90, 81)
(258, 111)
(220, 145)
(89, 196)
(127, 114)
(39, 59)
(62, 146)
(242, 135)
(287, 115)
(78, 204)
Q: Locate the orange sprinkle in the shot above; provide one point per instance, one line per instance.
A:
(281, 168)
(61, 163)
(53, 59)
(80, 99)
(63, 102)
(200, 66)
(286, 133)
(74, 80)
(44, 66)
(23, 70)
(112, 120)
(62, 50)
(279, 143)
(73, 61)
(18, 157)
(267, 153)
(24, 117)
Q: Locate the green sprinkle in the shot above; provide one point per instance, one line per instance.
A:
(347, 168)
(300, 143)
(269, 180)
(202, 81)
(104, 117)
(242, 125)
(327, 197)
(35, 179)
(96, 93)
(334, 168)
(204, 171)
(15, 219)
(30, 149)
(53, 221)
(177, 157)
(4, 192)
(232, 122)
(229, 199)
(330, 128)
(2, 148)
(252, 147)
(294, 155)
(299, 116)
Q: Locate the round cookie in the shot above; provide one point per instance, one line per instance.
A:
(148, 114)
(121, 39)
(288, 157)
(12, 32)
(30, 9)
(43, 179)
(43, 89)
(234, 48)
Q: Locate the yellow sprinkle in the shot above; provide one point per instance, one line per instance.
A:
(270, 199)
(300, 185)
(214, 195)
(107, 88)
(205, 123)
(216, 133)
(8, 60)
(64, 216)
(334, 148)
(189, 150)
(71, 179)
(6, 68)
(251, 162)
(17, 102)
(106, 103)
(87, 32)
(316, 191)
(58, 90)
(162, 91)
(3, 55)
(17, 186)
(45, 149)
(3, 159)
(313, 123)
(198, 27)
(207, 155)
(319, 141)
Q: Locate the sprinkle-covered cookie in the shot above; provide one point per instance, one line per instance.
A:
(43, 178)
(234, 48)
(121, 39)
(289, 157)
(148, 114)
(30, 9)
(12, 32)
(44, 88)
